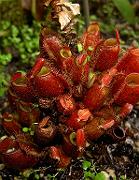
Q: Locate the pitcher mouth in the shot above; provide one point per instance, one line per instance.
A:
(110, 42)
(118, 132)
(93, 28)
(44, 70)
(65, 53)
(10, 91)
(7, 117)
(10, 146)
(25, 108)
(10, 150)
(132, 79)
(135, 52)
(20, 80)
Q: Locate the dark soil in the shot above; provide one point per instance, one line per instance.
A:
(120, 158)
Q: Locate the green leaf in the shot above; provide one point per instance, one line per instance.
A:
(15, 31)
(27, 173)
(5, 58)
(86, 164)
(5, 25)
(72, 138)
(50, 177)
(2, 91)
(37, 176)
(25, 129)
(79, 47)
(122, 177)
(126, 10)
(89, 175)
(32, 133)
(102, 176)
(90, 48)
(22, 72)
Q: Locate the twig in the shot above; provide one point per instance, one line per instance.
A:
(86, 12)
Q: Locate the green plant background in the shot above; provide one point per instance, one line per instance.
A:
(19, 32)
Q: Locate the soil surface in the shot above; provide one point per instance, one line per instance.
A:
(114, 157)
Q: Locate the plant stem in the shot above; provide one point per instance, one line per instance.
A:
(86, 12)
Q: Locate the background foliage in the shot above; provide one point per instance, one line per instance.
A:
(19, 29)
